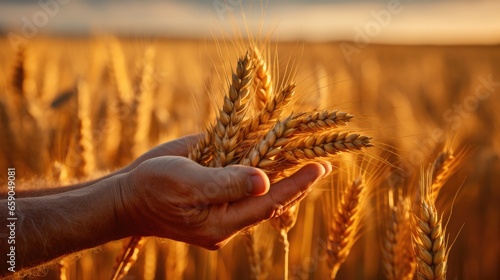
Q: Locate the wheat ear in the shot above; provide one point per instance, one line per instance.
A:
(278, 142)
(226, 131)
(262, 80)
(444, 166)
(345, 225)
(126, 102)
(256, 126)
(428, 236)
(324, 119)
(85, 143)
(324, 145)
(119, 71)
(202, 151)
(261, 153)
(397, 258)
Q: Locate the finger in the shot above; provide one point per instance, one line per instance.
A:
(181, 146)
(254, 210)
(224, 184)
(177, 147)
(232, 183)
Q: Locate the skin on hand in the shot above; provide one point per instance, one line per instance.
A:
(176, 198)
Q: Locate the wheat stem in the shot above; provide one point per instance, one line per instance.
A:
(128, 257)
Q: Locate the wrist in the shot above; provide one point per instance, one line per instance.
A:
(125, 202)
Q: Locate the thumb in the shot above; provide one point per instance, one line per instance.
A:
(237, 182)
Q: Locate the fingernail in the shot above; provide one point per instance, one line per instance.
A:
(328, 168)
(256, 185)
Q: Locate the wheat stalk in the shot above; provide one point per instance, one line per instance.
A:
(176, 259)
(227, 128)
(63, 269)
(18, 71)
(126, 102)
(128, 257)
(345, 224)
(283, 223)
(119, 71)
(397, 258)
(28, 113)
(428, 235)
(257, 240)
(8, 144)
(145, 96)
(444, 166)
(85, 143)
(150, 260)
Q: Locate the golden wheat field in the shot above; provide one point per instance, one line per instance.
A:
(423, 199)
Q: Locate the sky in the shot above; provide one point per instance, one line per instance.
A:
(375, 21)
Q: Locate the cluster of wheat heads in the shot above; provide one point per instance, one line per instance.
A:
(267, 139)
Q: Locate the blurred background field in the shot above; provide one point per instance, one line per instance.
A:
(413, 99)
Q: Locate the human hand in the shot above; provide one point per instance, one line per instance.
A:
(176, 198)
